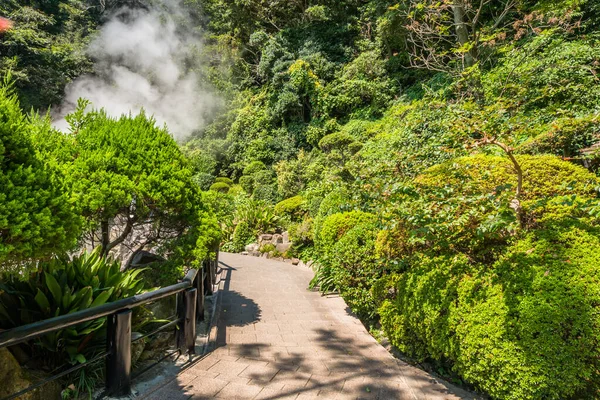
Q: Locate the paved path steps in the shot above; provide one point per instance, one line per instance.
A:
(277, 340)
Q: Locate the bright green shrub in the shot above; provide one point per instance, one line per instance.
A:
(266, 193)
(335, 141)
(203, 180)
(523, 328)
(293, 208)
(335, 226)
(254, 167)
(355, 268)
(36, 217)
(543, 176)
(243, 235)
(267, 248)
(224, 179)
(220, 187)
(464, 205)
(301, 233)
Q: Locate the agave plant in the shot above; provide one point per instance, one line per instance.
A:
(62, 286)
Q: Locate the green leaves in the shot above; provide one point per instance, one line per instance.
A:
(62, 286)
(36, 217)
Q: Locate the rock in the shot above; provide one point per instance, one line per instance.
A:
(160, 341)
(277, 238)
(244, 253)
(137, 348)
(283, 247)
(265, 255)
(252, 247)
(295, 261)
(14, 379)
(255, 253)
(286, 237)
(265, 238)
(144, 258)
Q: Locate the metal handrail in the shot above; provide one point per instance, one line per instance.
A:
(31, 331)
(190, 308)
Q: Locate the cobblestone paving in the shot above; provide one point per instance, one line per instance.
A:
(277, 340)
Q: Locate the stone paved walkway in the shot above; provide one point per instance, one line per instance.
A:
(277, 340)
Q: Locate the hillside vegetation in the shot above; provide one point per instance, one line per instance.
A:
(426, 154)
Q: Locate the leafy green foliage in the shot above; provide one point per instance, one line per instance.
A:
(36, 217)
(514, 329)
(293, 208)
(61, 286)
(220, 187)
(45, 50)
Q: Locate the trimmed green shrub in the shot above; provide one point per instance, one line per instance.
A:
(543, 176)
(254, 167)
(36, 217)
(220, 187)
(355, 268)
(266, 193)
(524, 328)
(224, 179)
(294, 208)
(243, 235)
(335, 226)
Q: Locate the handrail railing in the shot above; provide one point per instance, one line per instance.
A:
(190, 307)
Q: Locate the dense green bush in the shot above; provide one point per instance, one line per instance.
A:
(292, 208)
(224, 179)
(355, 268)
(220, 187)
(523, 328)
(37, 217)
(247, 183)
(336, 225)
(243, 235)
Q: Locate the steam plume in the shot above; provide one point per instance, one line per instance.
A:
(147, 58)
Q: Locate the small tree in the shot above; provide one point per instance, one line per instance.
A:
(131, 182)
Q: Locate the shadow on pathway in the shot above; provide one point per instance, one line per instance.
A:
(276, 340)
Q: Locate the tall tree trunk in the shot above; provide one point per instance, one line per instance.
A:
(462, 31)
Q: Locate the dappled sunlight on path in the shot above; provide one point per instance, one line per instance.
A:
(277, 340)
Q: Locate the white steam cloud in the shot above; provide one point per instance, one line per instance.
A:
(147, 59)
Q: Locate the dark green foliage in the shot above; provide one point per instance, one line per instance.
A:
(36, 217)
(45, 50)
(254, 167)
(247, 183)
(61, 286)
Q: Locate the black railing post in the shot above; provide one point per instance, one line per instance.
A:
(118, 363)
(208, 280)
(186, 312)
(200, 296)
